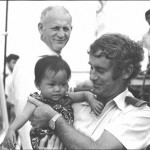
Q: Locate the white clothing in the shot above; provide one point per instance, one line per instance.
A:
(146, 41)
(129, 124)
(23, 85)
(8, 84)
(8, 81)
(145, 61)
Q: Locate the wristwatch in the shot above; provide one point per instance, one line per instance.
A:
(53, 120)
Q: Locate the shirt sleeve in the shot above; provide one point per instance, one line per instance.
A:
(132, 129)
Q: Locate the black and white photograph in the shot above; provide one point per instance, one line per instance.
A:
(74, 74)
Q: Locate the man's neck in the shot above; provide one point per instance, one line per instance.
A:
(105, 100)
(57, 52)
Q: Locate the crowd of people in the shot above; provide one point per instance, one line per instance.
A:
(106, 117)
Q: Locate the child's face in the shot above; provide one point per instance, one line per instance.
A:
(53, 86)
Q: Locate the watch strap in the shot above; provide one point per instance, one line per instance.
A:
(53, 121)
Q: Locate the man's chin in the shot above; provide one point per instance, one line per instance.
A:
(95, 91)
(59, 47)
(58, 51)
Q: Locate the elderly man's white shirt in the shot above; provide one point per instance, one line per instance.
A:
(23, 75)
(129, 124)
(23, 84)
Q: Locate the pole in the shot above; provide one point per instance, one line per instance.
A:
(5, 44)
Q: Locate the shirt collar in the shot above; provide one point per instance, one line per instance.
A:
(45, 50)
(120, 99)
(41, 49)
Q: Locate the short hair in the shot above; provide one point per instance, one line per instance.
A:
(147, 13)
(52, 63)
(48, 9)
(121, 50)
(11, 57)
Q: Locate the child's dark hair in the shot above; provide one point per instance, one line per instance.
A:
(53, 63)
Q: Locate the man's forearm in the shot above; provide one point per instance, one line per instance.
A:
(72, 138)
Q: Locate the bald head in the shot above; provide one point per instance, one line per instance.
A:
(54, 12)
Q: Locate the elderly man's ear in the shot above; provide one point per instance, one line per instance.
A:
(40, 28)
(127, 72)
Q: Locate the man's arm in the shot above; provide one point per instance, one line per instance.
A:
(73, 139)
(69, 136)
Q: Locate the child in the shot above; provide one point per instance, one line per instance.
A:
(52, 74)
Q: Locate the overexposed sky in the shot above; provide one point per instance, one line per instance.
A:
(126, 17)
(24, 17)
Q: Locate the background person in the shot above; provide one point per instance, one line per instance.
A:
(146, 37)
(11, 60)
(55, 28)
(124, 122)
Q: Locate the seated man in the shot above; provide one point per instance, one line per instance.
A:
(125, 121)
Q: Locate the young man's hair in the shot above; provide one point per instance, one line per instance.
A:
(11, 57)
(51, 63)
(121, 50)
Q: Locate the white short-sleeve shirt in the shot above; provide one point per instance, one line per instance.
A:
(129, 124)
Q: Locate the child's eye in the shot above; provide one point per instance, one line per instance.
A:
(64, 84)
(51, 84)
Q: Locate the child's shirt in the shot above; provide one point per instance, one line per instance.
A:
(63, 107)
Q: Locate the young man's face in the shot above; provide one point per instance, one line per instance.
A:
(101, 73)
(54, 86)
(56, 30)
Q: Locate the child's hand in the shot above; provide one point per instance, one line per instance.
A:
(96, 107)
(10, 139)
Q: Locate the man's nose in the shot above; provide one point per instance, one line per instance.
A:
(93, 76)
(61, 32)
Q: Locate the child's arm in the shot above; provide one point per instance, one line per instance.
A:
(96, 105)
(10, 138)
(23, 117)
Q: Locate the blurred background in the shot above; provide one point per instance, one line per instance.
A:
(90, 20)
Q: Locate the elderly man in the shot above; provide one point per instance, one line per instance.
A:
(124, 122)
(55, 28)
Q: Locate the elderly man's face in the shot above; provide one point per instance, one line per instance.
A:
(101, 76)
(56, 30)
